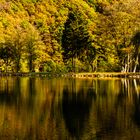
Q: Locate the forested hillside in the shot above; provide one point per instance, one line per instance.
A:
(69, 35)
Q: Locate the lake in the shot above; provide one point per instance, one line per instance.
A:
(69, 109)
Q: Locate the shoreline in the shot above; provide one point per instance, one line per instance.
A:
(29, 74)
(104, 75)
(74, 75)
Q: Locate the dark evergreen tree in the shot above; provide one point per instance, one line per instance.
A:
(75, 39)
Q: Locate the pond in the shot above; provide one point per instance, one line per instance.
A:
(69, 109)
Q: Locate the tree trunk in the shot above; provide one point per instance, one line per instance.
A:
(136, 63)
(125, 67)
(92, 68)
(128, 62)
(30, 64)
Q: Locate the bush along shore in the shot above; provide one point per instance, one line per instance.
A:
(103, 75)
(73, 75)
(32, 74)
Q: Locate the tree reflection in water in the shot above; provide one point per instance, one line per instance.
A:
(76, 109)
(136, 98)
(41, 109)
(10, 94)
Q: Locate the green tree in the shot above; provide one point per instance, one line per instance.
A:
(75, 38)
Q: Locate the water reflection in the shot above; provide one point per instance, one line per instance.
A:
(136, 113)
(66, 109)
(76, 107)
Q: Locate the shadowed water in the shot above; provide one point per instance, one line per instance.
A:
(69, 109)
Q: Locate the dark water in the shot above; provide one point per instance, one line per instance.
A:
(66, 109)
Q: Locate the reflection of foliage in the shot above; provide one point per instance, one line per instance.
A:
(76, 111)
(68, 108)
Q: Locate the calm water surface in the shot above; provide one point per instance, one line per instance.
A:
(69, 109)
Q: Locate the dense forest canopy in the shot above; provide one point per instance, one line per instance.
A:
(69, 35)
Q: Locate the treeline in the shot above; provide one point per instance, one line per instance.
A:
(69, 36)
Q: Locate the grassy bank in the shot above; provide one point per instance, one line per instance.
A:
(104, 74)
(73, 75)
(31, 74)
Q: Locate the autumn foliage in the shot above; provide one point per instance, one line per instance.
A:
(69, 36)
